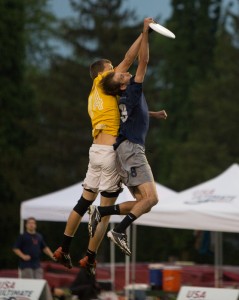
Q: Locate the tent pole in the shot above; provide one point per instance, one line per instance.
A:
(21, 225)
(221, 258)
(134, 239)
(127, 261)
(112, 260)
(218, 259)
(21, 232)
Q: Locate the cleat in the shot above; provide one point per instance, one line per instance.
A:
(90, 268)
(94, 219)
(63, 258)
(120, 239)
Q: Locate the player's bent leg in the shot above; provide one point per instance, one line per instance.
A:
(88, 262)
(94, 219)
(148, 196)
(62, 255)
(107, 199)
(78, 212)
(95, 242)
(72, 224)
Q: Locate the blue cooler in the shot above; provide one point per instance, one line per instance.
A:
(156, 276)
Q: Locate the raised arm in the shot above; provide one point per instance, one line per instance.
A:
(143, 58)
(130, 56)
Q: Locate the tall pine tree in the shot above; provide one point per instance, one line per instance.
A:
(185, 62)
(17, 112)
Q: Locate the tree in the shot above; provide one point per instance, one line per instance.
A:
(46, 132)
(186, 61)
(215, 142)
(18, 111)
(64, 128)
(60, 156)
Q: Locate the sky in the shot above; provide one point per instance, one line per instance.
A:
(143, 8)
(160, 10)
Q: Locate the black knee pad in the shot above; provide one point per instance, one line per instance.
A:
(89, 190)
(111, 194)
(82, 206)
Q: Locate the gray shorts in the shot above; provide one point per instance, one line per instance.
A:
(31, 273)
(132, 164)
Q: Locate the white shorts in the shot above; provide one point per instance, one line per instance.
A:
(102, 174)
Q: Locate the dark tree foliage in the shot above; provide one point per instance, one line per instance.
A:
(64, 129)
(185, 62)
(211, 135)
(17, 112)
(45, 131)
(107, 32)
(60, 156)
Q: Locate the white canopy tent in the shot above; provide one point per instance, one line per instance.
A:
(56, 206)
(212, 205)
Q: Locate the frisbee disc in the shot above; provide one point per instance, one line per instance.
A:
(162, 30)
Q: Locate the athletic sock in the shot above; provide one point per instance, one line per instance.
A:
(109, 210)
(66, 243)
(91, 256)
(125, 223)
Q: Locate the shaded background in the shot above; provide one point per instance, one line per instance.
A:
(45, 131)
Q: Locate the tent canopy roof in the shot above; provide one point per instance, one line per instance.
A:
(56, 206)
(212, 205)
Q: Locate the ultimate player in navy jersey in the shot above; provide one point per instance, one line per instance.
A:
(131, 161)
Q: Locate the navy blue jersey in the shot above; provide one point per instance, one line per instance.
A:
(134, 116)
(31, 244)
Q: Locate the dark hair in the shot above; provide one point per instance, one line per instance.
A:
(98, 66)
(109, 86)
(31, 219)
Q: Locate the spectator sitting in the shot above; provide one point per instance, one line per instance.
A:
(84, 286)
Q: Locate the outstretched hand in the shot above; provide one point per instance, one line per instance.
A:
(158, 114)
(147, 21)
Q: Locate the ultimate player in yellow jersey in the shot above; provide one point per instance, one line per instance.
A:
(101, 175)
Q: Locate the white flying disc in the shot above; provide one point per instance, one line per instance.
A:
(162, 30)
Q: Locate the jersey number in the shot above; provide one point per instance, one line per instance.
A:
(123, 112)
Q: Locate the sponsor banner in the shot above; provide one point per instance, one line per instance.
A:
(21, 289)
(206, 196)
(201, 293)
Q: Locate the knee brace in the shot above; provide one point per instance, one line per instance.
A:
(111, 194)
(89, 190)
(82, 206)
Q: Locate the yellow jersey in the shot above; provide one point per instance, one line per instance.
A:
(103, 110)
